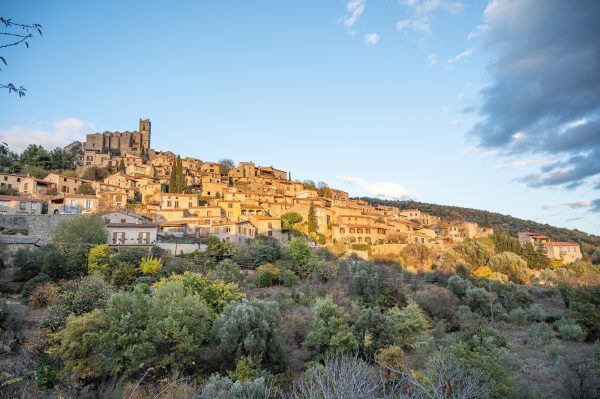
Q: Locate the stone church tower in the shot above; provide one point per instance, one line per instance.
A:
(145, 128)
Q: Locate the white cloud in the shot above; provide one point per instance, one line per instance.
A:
(50, 135)
(455, 122)
(470, 149)
(461, 56)
(381, 189)
(432, 59)
(354, 9)
(578, 204)
(525, 163)
(419, 24)
(427, 6)
(372, 39)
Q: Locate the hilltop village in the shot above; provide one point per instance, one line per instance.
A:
(151, 196)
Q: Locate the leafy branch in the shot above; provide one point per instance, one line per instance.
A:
(21, 35)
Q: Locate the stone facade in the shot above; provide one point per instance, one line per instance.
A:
(136, 142)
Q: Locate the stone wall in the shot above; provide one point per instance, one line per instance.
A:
(38, 226)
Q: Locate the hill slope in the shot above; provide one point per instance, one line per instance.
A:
(499, 221)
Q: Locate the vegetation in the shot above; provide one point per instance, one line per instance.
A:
(263, 320)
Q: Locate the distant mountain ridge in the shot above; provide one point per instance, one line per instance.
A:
(499, 221)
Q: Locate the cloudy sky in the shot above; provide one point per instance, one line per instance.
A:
(485, 105)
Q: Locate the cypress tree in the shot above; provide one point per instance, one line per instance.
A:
(122, 166)
(312, 220)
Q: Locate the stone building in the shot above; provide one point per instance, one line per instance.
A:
(136, 142)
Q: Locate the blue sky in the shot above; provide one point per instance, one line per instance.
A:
(374, 97)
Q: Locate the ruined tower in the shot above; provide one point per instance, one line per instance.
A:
(145, 127)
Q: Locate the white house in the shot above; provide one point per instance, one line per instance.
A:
(130, 229)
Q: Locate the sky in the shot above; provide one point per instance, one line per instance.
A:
(489, 105)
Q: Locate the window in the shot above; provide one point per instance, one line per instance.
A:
(123, 220)
(342, 231)
(176, 204)
(230, 205)
(270, 225)
(33, 206)
(169, 204)
(22, 205)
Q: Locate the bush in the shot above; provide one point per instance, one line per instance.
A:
(44, 295)
(267, 275)
(30, 285)
(437, 301)
(364, 281)
(535, 313)
(487, 273)
(480, 300)
(330, 333)
(164, 331)
(458, 285)
(216, 294)
(374, 330)
(569, 330)
(249, 329)
(228, 271)
(76, 298)
(474, 252)
(448, 262)
(391, 357)
(218, 387)
(412, 326)
(150, 265)
(99, 259)
(518, 316)
(389, 296)
(71, 235)
(321, 269)
(123, 273)
(299, 253)
(289, 278)
(510, 264)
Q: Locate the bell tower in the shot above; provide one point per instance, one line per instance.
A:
(145, 128)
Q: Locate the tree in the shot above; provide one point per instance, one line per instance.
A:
(298, 252)
(330, 334)
(150, 265)
(412, 325)
(71, 236)
(374, 330)
(18, 34)
(510, 264)
(9, 160)
(215, 294)
(122, 166)
(99, 259)
(85, 189)
(250, 328)
(486, 220)
(312, 220)
(226, 164)
(503, 242)
(95, 173)
(36, 155)
(177, 182)
(290, 220)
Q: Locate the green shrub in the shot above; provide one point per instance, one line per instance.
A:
(510, 264)
(480, 300)
(289, 278)
(364, 281)
(249, 328)
(123, 273)
(228, 271)
(569, 330)
(535, 313)
(518, 316)
(99, 259)
(374, 330)
(412, 326)
(218, 387)
(330, 333)
(458, 285)
(30, 285)
(216, 294)
(438, 301)
(267, 275)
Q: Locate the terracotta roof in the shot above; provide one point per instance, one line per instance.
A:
(18, 198)
(563, 244)
(137, 225)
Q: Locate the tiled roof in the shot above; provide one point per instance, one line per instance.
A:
(18, 198)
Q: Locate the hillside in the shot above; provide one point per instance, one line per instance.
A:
(499, 221)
